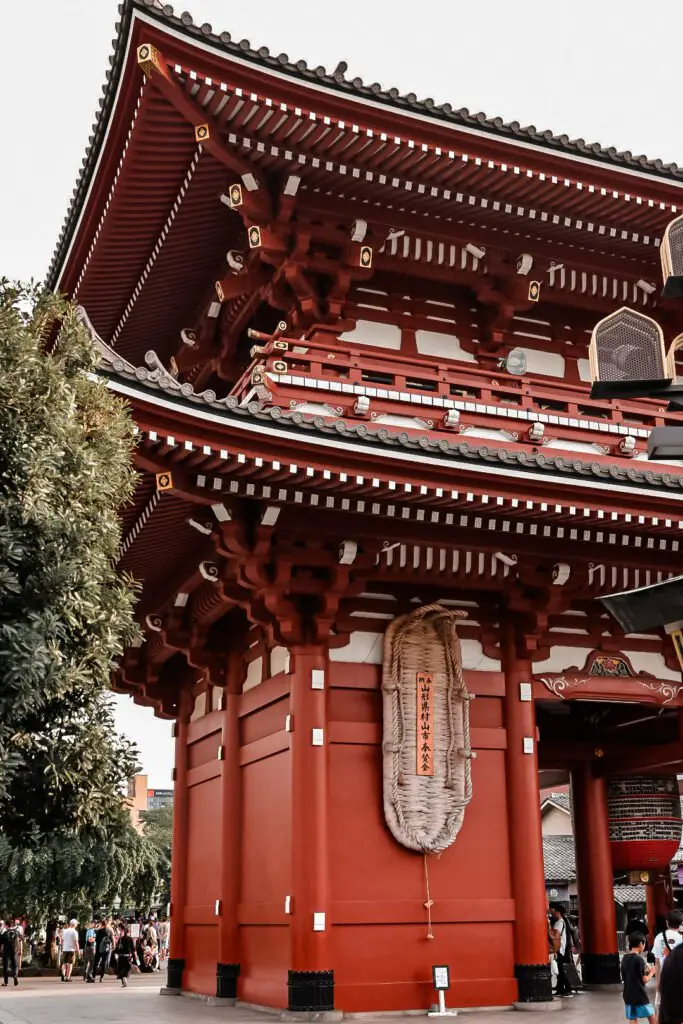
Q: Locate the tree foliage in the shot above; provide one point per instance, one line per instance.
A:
(157, 827)
(65, 612)
(80, 873)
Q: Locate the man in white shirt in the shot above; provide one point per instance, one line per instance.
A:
(666, 941)
(70, 949)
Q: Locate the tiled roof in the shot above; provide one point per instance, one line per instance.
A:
(629, 893)
(560, 799)
(337, 81)
(559, 858)
(379, 436)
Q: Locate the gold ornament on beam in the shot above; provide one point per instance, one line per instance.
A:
(202, 133)
(235, 195)
(150, 60)
(365, 256)
(164, 481)
(254, 237)
(534, 291)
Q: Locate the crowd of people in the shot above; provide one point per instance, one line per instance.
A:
(652, 975)
(104, 946)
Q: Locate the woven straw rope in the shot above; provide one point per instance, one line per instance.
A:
(425, 813)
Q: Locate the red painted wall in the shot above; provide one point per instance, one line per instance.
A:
(381, 954)
(266, 858)
(379, 948)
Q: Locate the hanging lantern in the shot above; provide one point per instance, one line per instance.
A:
(644, 821)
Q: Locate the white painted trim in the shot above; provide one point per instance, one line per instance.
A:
(384, 107)
(195, 412)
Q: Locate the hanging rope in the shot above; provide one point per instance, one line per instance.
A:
(430, 902)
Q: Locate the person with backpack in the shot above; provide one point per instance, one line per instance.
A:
(667, 940)
(104, 937)
(561, 948)
(635, 974)
(89, 948)
(11, 937)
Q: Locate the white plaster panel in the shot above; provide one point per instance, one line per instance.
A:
(279, 660)
(644, 661)
(216, 698)
(199, 709)
(389, 420)
(254, 674)
(367, 649)
(560, 659)
(548, 364)
(369, 332)
(362, 648)
(584, 368)
(574, 446)
(433, 343)
(488, 433)
(314, 409)
(474, 659)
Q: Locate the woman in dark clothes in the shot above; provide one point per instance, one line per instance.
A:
(125, 955)
(671, 988)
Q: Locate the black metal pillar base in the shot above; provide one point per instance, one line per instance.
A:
(174, 978)
(226, 980)
(310, 991)
(601, 969)
(534, 983)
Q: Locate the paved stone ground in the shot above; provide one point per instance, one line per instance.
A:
(47, 1001)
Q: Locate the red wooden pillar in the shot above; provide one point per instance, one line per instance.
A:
(176, 961)
(228, 967)
(595, 878)
(532, 968)
(311, 979)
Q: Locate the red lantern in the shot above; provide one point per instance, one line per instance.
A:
(644, 821)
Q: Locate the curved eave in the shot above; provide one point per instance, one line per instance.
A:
(275, 435)
(184, 41)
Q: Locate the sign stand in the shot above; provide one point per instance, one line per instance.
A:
(441, 980)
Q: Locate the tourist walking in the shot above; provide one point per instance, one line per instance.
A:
(671, 988)
(164, 932)
(666, 941)
(70, 949)
(11, 938)
(104, 941)
(89, 953)
(561, 947)
(125, 955)
(635, 974)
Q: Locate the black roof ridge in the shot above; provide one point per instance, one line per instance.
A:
(496, 126)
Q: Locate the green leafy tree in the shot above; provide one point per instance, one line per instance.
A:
(65, 613)
(157, 827)
(68, 873)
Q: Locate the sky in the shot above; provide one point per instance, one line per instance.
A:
(602, 70)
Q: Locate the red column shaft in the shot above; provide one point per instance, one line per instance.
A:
(594, 862)
(309, 778)
(231, 797)
(179, 842)
(524, 811)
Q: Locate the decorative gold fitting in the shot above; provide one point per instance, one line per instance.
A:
(534, 291)
(202, 132)
(365, 256)
(254, 237)
(164, 481)
(150, 60)
(281, 346)
(219, 291)
(235, 195)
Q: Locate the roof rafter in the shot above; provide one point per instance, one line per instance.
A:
(257, 203)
